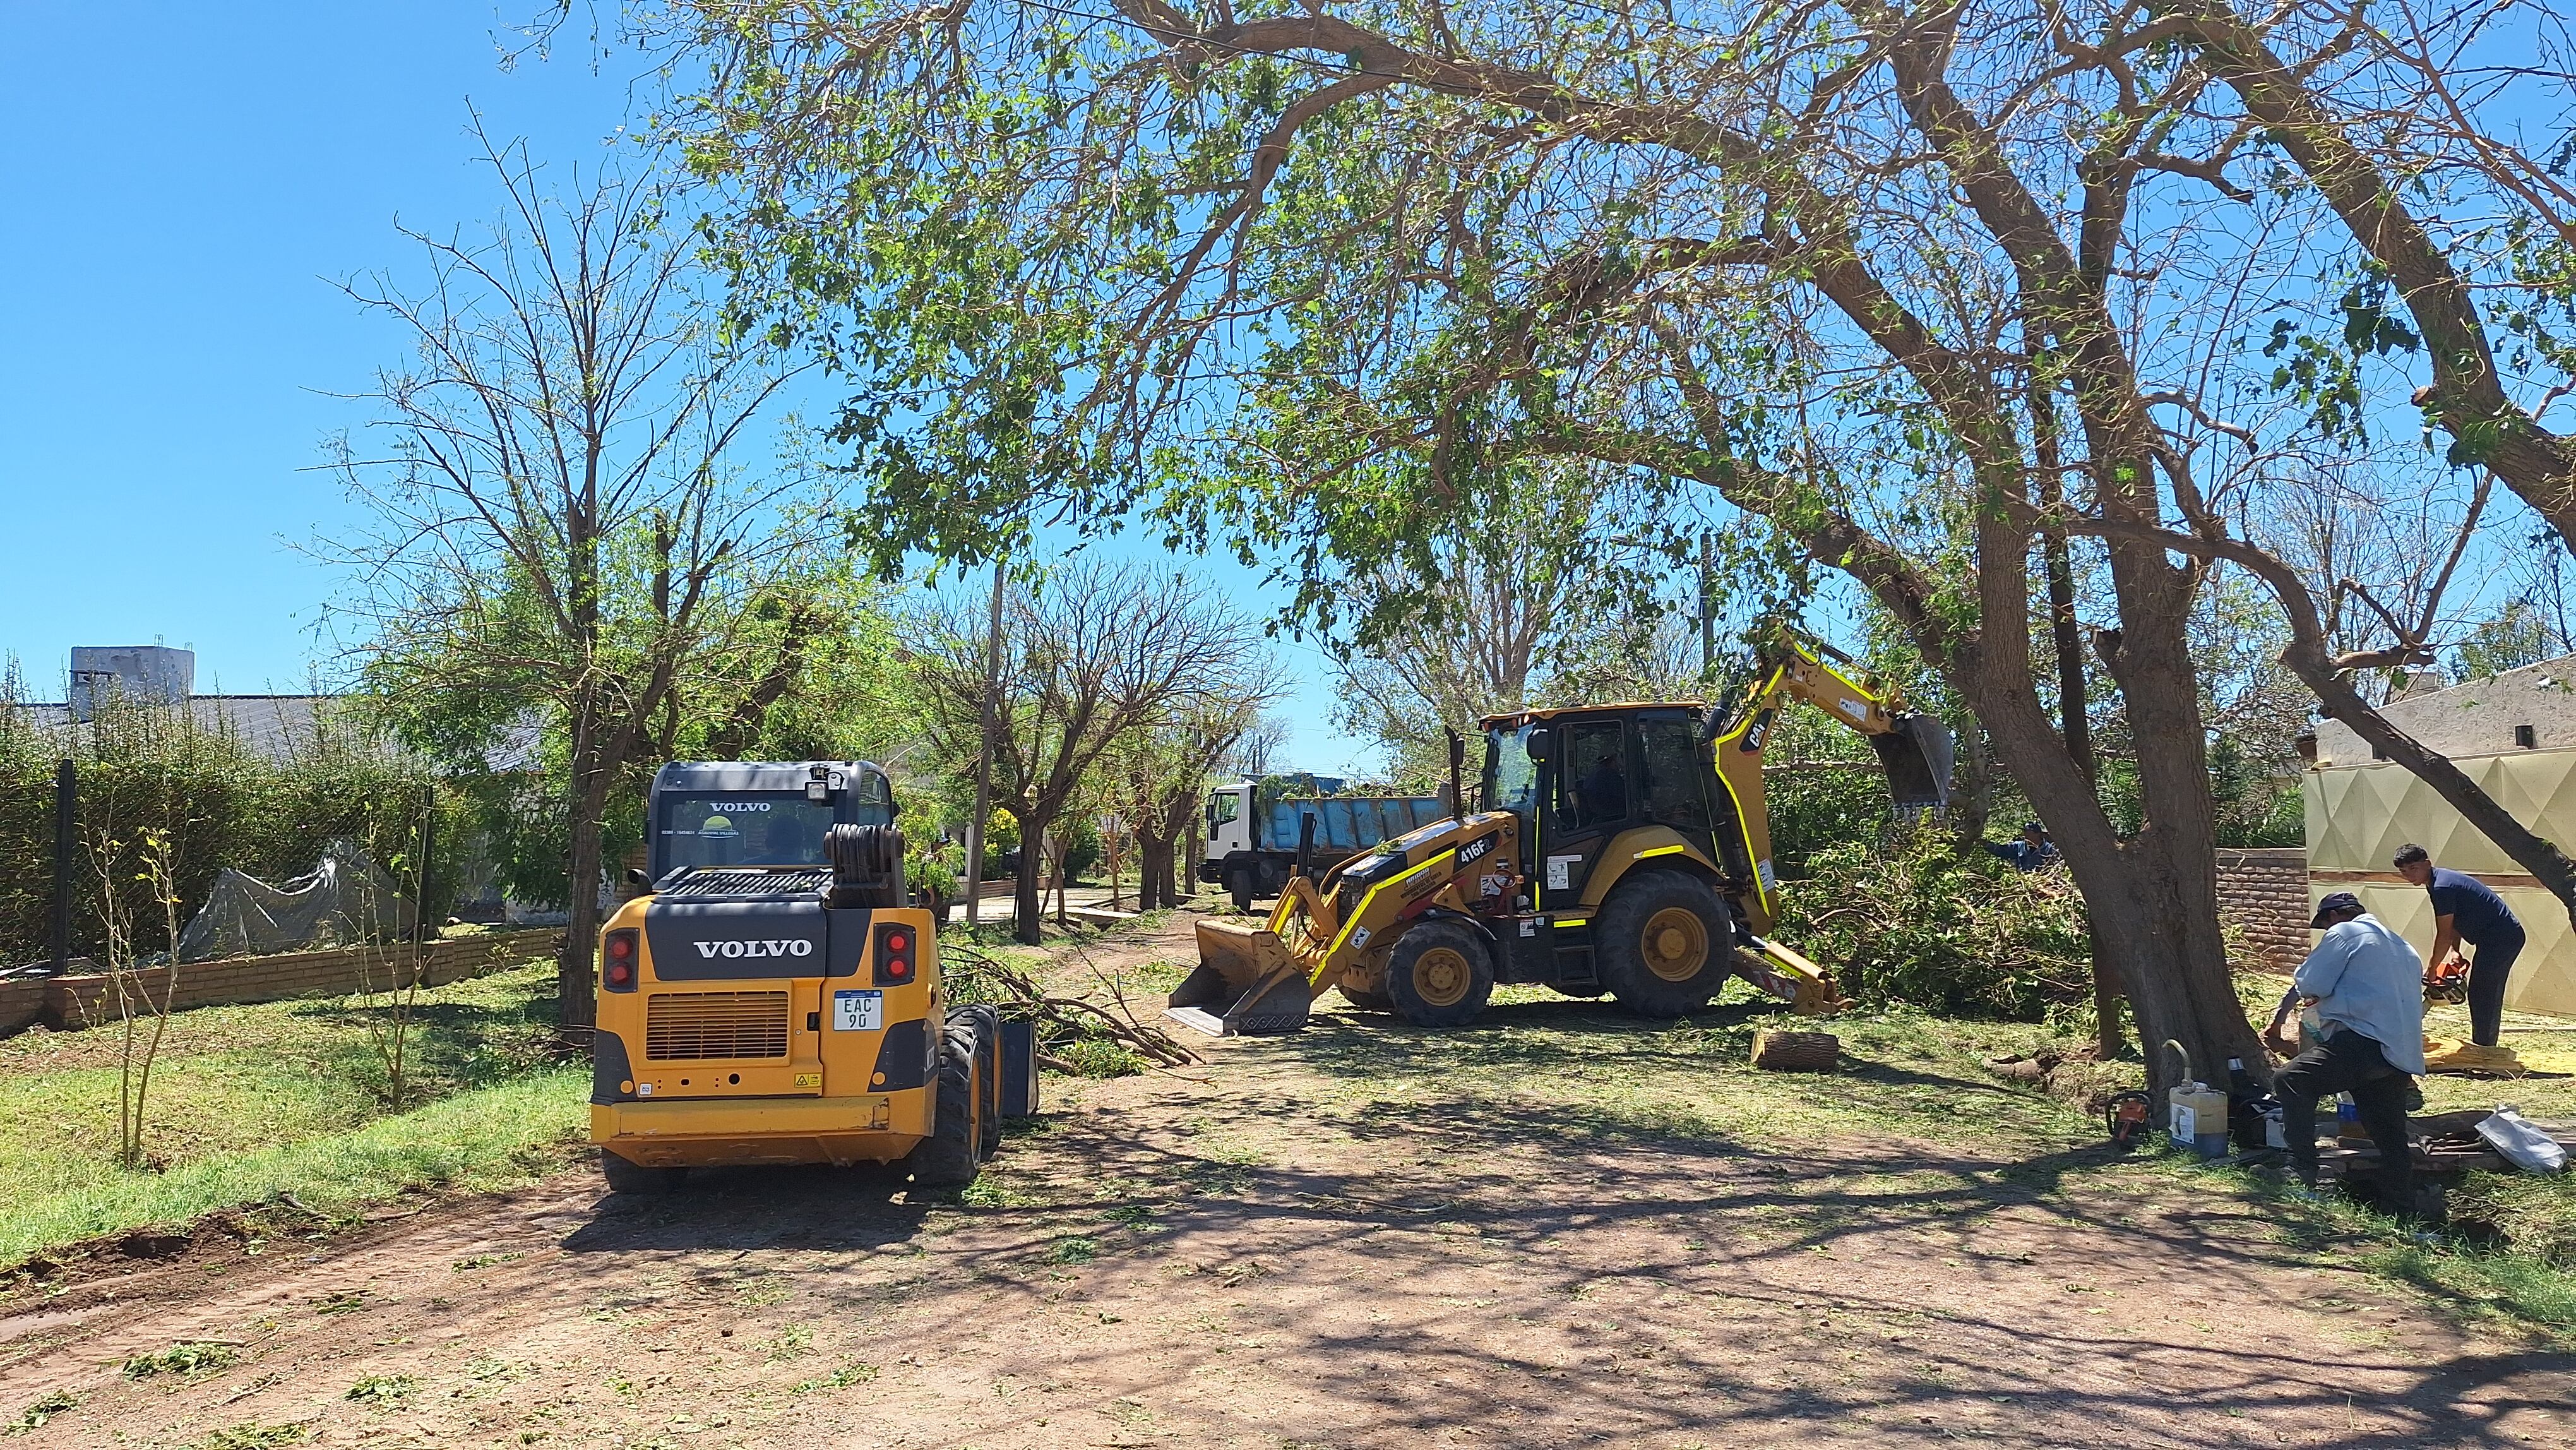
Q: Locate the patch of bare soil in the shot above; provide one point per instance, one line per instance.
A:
(1263, 1253)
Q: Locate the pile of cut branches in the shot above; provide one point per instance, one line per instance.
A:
(1064, 1023)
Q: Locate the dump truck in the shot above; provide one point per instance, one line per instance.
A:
(1255, 828)
(774, 995)
(1620, 848)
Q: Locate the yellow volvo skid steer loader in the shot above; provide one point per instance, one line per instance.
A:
(1622, 848)
(775, 996)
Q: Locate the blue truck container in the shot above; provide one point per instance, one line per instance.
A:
(1252, 831)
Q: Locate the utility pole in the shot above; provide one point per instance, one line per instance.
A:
(984, 757)
(1708, 607)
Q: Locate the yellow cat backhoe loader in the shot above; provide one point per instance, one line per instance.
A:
(1622, 848)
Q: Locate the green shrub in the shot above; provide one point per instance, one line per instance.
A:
(1819, 808)
(143, 767)
(1962, 936)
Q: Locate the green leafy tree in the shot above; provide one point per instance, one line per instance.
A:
(1921, 293)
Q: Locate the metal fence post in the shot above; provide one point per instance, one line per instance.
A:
(66, 803)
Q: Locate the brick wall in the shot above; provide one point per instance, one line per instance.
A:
(2264, 893)
(88, 998)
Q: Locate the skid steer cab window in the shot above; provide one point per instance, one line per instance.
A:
(742, 829)
(1676, 784)
(1511, 777)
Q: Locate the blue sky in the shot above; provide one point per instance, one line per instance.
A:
(186, 183)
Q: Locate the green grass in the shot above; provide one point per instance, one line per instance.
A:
(251, 1102)
(490, 1138)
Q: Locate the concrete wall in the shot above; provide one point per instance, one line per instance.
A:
(2359, 815)
(2476, 718)
(2264, 895)
(87, 999)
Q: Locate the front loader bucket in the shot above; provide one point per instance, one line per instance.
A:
(1916, 755)
(1245, 983)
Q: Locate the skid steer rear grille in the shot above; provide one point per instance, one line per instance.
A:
(691, 1026)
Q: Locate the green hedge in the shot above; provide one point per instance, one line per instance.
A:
(152, 768)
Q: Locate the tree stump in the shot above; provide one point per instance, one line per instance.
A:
(1796, 1051)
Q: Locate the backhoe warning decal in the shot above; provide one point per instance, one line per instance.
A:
(1560, 872)
(861, 1011)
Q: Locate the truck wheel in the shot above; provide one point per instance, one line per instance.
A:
(1367, 1001)
(986, 1024)
(947, 1158)
(1439, 975)
(1238, 884)
(624, 1175)
(1664, 944)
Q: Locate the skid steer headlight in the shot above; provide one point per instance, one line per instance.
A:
(617, 960)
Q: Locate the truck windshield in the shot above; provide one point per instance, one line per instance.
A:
(1223, 806)
(742, 828)
(1511, 777)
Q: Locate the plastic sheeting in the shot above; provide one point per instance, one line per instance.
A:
(346, 898)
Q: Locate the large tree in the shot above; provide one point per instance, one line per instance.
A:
(565, 542)
(1923, 291)
(1090, 652)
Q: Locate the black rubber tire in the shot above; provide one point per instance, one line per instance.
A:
(986, 1024)
(627, 1176)
(1626, 959)
(1238, 884)
(1367, 1001)
(1422, 974)
(947, 1158)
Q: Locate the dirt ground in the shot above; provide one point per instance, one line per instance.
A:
(1344, 1239)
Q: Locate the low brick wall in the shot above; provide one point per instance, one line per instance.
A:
(2264, 893)
(89, 998)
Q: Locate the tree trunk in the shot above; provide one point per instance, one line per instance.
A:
(1027, 903)
(2163, 928)
(577, 1010)
(1972, 805)
(1153, 872)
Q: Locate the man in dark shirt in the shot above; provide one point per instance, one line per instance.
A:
(2033, 851)
(2466, 909)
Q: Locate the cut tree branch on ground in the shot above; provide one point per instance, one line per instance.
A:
(1060, 1017)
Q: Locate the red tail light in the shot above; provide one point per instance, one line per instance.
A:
(618, 952)
(895, 964)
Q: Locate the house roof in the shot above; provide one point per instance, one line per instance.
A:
(2474, 717)
(274, 727)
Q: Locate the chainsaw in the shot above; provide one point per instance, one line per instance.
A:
(2447, 981)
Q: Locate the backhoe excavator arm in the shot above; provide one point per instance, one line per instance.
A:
(1915, 749)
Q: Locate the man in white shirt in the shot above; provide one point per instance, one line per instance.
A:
(2366, 986)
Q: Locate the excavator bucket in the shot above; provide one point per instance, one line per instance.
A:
(1916, 755)
(1246, 983)
(1788, 975)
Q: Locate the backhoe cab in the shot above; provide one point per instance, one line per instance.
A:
(1621, 848)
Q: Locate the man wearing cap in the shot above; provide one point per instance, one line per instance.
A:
(2365, 986)
(2033, 851)
(2468, 910)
